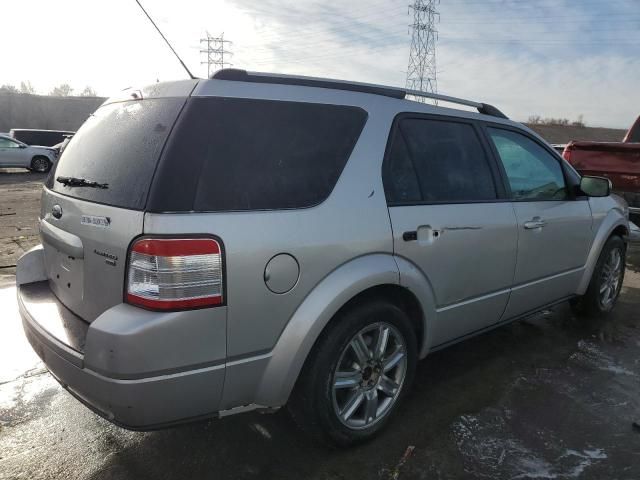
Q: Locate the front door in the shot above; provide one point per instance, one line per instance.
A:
(554, 227)
(11, 155)
(449, 220)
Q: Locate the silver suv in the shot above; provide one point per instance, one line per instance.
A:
(15, 154)
(248, 241)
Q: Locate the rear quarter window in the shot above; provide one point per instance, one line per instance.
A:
(231, 154)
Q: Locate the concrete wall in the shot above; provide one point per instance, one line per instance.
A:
(38, 111)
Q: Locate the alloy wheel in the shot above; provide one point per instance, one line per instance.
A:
(369, 375)
(40, 164)
(611, 278)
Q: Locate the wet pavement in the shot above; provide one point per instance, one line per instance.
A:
(552, 396)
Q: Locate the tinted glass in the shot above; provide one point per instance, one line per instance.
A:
(400, 180)
(119, 145)
(533, 173)
(444, 159)
(239, 154)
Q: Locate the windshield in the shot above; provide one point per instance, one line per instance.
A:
(119, 145)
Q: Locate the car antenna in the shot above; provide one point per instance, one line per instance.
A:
(165, 39)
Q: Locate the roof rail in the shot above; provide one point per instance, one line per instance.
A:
(238, 75)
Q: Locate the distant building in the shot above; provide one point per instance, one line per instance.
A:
(562, 134)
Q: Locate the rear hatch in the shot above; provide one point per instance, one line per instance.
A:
(93, 203)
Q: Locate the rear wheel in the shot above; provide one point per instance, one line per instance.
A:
(606, 281)
(40, 164)
(356, 375)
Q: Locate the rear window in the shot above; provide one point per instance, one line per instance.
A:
(241, 154)
(119, 145)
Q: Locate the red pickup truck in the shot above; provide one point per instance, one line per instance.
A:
(618, 161)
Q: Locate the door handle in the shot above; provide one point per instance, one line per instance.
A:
(535, 222)
(424, 235)
(410, 236)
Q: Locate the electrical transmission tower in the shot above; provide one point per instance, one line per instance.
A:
(215, 51)
(421, 73)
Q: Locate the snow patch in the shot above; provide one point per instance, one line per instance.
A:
(589, 355)
(490, 449)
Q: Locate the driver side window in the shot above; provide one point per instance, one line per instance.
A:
(6, 143)
(533, 173)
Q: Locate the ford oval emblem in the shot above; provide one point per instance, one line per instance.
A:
(56, 211)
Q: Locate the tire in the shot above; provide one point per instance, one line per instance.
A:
(315, 403)
(40, 164)
(606, 280)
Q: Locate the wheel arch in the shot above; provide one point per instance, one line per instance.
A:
(613, 224)
(356, 281)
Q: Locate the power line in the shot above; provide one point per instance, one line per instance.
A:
(214, 52)
(421, 73)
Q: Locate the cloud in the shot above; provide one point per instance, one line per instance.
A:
(556, 58)
(552, 58)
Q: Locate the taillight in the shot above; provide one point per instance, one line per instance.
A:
(175, 274)
(566, 154)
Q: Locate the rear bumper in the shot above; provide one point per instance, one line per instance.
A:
(88, 360)
(143, 404)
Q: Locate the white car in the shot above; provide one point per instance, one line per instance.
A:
(16, 154)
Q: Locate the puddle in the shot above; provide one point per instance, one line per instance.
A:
(16, 355)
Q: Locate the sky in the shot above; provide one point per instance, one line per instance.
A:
(553, 58)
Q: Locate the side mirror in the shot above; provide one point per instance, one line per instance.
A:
(595, 186)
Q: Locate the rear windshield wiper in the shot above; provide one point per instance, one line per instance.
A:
(80, 182)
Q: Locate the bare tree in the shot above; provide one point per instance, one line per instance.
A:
(88, 92)
(579, 122)
(62, 90)
(6, 88)
(26, 87)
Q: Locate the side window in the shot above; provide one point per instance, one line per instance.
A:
(399, 178)
(6, 143)
(533, 173)
(255, 154)
(436, 161)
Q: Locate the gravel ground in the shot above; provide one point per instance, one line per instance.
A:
(19, 210)
(549, 397)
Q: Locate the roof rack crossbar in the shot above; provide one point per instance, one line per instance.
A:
(393, 92)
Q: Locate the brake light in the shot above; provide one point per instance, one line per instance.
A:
(175, 274)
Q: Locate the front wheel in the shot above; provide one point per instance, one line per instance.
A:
(356, 375)
(606, 281)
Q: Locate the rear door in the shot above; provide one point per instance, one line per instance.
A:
(86, 230)
(554, 226)
(450, 219)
